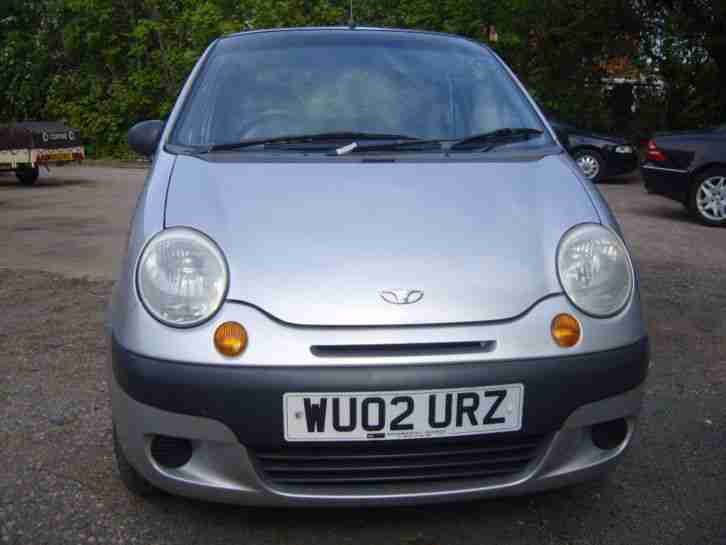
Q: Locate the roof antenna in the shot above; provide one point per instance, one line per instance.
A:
(351, 20)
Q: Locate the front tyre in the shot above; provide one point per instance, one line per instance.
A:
(132, 479)
(27, 175)
(708, 197)
(590, 163)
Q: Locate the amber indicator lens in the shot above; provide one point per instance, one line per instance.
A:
(230, 338)
(566, 330)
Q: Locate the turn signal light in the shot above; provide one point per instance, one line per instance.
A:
(566, 330)
(230, 338)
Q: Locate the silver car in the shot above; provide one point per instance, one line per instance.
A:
(363, 271)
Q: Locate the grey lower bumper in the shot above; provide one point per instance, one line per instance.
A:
(222, 470)
(247, 399)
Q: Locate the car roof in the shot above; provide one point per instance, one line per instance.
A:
(355, 29)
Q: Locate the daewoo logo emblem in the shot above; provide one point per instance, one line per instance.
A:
(402, 297)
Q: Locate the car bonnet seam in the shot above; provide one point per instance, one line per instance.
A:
(168, 188)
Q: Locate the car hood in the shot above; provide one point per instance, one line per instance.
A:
(316, 243)
(604, 137)
(695, 134)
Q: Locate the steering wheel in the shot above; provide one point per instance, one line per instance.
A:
(249, 129)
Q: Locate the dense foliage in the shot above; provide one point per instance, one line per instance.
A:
(628, 65)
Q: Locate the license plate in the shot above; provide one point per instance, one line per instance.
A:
(60, 157)
(415, 414)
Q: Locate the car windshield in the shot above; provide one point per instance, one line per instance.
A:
(271, 84)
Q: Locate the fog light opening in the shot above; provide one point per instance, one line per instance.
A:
(171, 452)
(610, 435)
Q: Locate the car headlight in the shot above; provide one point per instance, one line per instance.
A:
(624, 149)
(182, 277)
(595, 270)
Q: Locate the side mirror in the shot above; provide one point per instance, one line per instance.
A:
(144, 137)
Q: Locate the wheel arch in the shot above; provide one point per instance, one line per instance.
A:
(598, 155)
(707, 166)
(694, 179)
(696, 174)
(585, 147)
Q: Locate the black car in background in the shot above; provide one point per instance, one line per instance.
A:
(690, 167)
(598, 156)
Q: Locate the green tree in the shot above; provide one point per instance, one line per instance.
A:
(561, 50)
(26, 42)
(103, 65)
(686, 42)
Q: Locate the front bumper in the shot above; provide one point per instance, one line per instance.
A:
(228, 413)
(668, 182)
(620, 163)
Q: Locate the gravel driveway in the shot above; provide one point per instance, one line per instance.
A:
(60, 244)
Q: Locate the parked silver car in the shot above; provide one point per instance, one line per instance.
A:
(363, 271)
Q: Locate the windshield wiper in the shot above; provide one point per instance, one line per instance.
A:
(409, 143)
(306, 139)
(494, 139)
(392, 141)
(489, 140)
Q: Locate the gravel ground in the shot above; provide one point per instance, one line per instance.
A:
(73, 221)
(58, 481)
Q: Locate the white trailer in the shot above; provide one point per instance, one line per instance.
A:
(27, 146)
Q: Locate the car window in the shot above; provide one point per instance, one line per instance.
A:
(272, 84)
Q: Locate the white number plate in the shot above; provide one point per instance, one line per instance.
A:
(416, 414)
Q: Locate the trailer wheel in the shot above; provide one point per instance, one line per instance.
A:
(27, 175)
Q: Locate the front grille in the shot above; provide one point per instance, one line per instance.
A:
(372, 463)
(408, 349)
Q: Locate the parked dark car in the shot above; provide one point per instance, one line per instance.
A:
(598, 156)
(690, 167)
